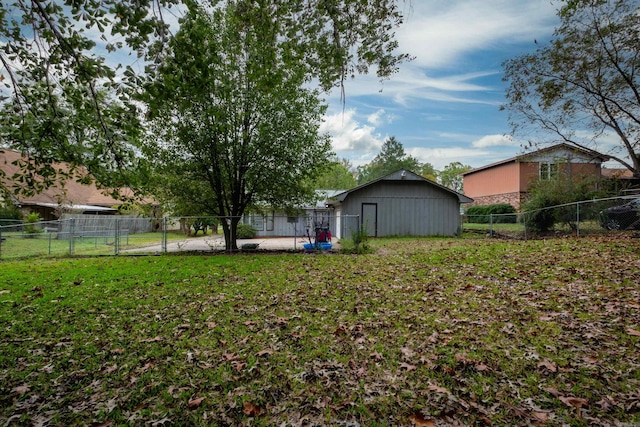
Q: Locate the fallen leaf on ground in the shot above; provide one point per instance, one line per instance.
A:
(21, 389)
(419, 420)
(438, 389)
(252, 410)
(576, 402)
(407, 366)
(549, 365)
(633, 332)
(541, 417)
(194, 403)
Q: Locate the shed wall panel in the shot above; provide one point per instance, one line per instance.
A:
(405, 208)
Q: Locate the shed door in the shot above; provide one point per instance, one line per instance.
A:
(370, 218)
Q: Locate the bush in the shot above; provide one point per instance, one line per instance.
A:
(482, 214)
(31, 224)
(246, 231)
(541, 213)
(10, 212)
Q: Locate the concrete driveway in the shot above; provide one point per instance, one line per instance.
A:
(215, 242)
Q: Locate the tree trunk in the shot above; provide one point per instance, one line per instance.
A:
(230, 229)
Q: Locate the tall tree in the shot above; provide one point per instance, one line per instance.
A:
(53, 78)
(451, 175)
(586, 81)
(229, 105)
(391, 158)
(60, 99)
(428, 171)
(336, 174)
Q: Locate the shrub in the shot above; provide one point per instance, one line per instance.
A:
(482, 214)
(10, 211)
(246, 231)
(31, 224)
(541, 211)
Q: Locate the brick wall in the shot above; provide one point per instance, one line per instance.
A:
(514, 199)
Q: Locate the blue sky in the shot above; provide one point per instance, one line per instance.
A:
(445, 105)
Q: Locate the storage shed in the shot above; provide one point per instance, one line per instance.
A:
(399, 204)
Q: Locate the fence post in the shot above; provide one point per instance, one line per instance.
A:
(163, 245)
(72, 231)
(578, 219)
(491, 224)
(116, 237)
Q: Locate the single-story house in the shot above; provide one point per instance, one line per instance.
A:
(402, 203)
(509, 181)
(305, 219)
(72, 197)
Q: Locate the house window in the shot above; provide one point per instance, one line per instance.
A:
(548, 171)
(270, 220)
(257, 222)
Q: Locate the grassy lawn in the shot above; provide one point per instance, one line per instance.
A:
(18, 245)
(422, 332)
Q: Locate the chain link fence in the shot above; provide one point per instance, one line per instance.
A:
(121, 235)
(601, 216)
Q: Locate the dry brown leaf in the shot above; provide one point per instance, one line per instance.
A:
(266, 352)
(549, 365)
(438, 389)
(154, 339)
(252, 410)
(408, 352)
(419, 420)
(633, 332)
(407, 366)
(238, 366)
(553, 391)
(376, 356)
(575, 402)
(541, 417)
(21, 389)
(211, 325)
(194, 403)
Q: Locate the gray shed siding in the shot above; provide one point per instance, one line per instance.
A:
(408, 208)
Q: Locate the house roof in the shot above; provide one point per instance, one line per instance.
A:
(403, 175)
(71, 193)
(525, 156)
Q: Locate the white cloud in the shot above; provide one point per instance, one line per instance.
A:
(377, 117)
(439, 157)
(493, 140)
(439, 33)
(350, 138)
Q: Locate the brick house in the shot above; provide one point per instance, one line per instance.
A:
(72, 197)
(509, 181)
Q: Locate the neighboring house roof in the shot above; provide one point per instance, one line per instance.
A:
(526, 156)
(322, 196)
(73, 194)
(617, 173)
(403, 175)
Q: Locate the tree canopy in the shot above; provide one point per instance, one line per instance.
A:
(55, 76)
(336, 174)
(229, 105)
(584, 86)
(391, 158)
(451, 176)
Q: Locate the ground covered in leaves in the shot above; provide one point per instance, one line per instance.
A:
(424, 332)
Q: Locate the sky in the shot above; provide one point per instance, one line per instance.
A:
(444, 106)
